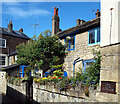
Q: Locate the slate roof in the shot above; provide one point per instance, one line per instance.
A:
(13, 33)
(13, 53)
(80, 29)
(10, 67)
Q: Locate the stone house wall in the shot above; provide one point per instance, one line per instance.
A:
(82, 50)
(110, 71)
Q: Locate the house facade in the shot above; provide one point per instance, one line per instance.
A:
(9, 39)
(110, 52)
(80, 40)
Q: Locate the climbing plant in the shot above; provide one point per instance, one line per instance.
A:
(92, 74)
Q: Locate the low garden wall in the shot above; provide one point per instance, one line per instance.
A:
(17, 92)
(51, 93)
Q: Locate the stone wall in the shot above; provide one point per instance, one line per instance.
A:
(50, 93)
(17, 92)
(82, 50)
(2, 82)
(110, 71)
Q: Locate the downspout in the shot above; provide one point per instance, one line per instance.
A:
(75, 61)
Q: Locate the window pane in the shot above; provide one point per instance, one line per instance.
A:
(10, 60)
(0, 42)
(91, 37)
(2, 60)
(88, 64)
(98, 35)
(3, 43)
(72, 43)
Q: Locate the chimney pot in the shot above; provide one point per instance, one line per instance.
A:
(79, 22)
(10, 26)
(10, 22)
(97, 13)
(55, 11)
(21, 30)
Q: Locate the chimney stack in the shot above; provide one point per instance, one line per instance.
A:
(21, 30)
(10, 26)
(79, 22)
(97, 13)
(55, 22)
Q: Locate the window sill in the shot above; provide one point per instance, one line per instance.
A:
(70, 49)
(2, 47)
(94, 44)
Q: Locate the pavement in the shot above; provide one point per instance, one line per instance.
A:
(7, 100)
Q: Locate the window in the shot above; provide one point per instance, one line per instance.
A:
(70, 41)
(94, 36)
(15, 58)
(2, 60)
(22, 70)
(10, 60)
(87, 63)
(3, 43)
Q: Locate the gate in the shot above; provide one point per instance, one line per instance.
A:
(29, 91)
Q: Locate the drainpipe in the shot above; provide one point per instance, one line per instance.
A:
(75, 61)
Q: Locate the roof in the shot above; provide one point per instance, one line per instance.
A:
(13, 33)
(80, 29)
(9, 67)
(13, 53)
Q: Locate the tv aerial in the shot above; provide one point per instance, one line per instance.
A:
(57, 7)
(35, 26)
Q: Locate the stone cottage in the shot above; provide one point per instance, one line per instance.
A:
(80, 40)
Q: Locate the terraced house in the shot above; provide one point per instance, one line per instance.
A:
(80, 40)
(9, 39)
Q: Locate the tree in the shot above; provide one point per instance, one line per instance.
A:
(41, 52)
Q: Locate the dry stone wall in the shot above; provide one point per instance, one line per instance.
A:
(50, 93)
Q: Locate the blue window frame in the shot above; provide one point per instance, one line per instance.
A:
(86, 64)
(22, 70)
(70, 42)
(94, 36)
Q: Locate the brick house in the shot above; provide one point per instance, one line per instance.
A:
(81, 39)
(9, 39)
